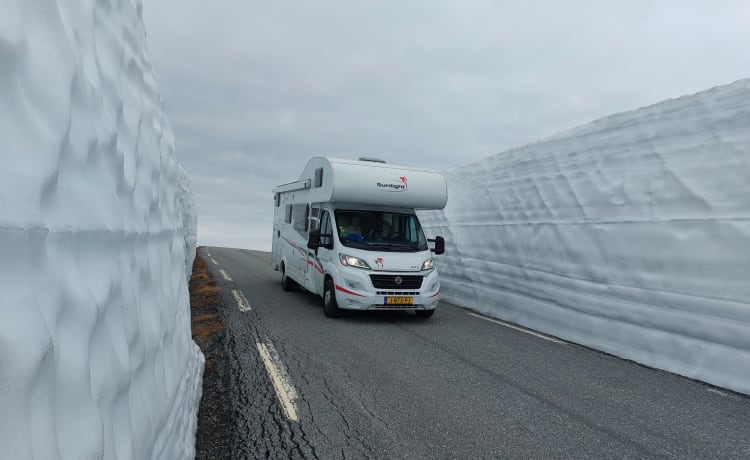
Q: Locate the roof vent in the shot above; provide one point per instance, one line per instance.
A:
(373, 160)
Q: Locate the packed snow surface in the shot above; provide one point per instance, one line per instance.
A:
(97, 224)
(630, 234)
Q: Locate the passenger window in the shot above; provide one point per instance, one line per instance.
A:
(314, 221)
(325, 229)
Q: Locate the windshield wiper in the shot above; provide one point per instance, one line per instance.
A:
(387, 246)
(396, 246)
(355, 243)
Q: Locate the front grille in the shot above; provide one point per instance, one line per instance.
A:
(390, 281)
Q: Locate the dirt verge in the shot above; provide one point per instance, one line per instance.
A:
(213, 440)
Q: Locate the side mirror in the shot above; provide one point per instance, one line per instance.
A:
(439, 245)
(314, 240)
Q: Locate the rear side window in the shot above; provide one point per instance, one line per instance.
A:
(288, 214)
(300, 213)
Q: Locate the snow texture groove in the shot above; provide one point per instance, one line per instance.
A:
(630, 234)
(97, 235)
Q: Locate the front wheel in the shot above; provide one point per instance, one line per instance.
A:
(330, 307)
(425, 313)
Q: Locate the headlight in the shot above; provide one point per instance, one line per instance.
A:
(428, 264)
(353, 261)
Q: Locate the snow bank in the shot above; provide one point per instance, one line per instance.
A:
(189, 219)
(630, 234)
(96, 226)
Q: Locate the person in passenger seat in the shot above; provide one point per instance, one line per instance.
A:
(354, 227)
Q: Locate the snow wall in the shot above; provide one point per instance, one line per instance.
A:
(630, 235)
(97, 226)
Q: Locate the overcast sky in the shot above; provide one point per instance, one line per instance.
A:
(253, 89)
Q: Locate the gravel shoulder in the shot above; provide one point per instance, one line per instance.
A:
(214, 436)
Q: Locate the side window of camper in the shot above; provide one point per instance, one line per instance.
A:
(300, 211)
(318, 178)
(277, 200)
(288, 214)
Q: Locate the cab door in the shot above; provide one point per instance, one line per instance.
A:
(312, 266)
(323, 259)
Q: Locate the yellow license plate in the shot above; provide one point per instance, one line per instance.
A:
(399, 300)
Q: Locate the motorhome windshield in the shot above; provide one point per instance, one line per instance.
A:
(381, 231)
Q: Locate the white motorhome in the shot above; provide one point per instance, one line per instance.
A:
(347, 230)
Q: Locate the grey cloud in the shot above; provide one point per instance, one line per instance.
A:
(254, 89)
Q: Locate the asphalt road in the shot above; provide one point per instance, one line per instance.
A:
(391, 385)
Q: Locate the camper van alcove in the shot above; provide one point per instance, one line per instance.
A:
(348, 231)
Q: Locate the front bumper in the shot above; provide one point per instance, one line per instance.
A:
(356, 291)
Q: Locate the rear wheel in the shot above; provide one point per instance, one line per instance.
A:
(287, 283)
(425, 313)
(330, 307)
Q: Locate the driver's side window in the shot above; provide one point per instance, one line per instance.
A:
(326, 236)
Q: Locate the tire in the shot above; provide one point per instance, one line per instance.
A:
(330, 307)
(287, 283)
(425, 313)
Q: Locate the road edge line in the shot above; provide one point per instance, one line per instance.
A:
(517, 328)
(285, 392)
(242, 302)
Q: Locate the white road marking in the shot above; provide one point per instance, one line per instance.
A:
(503, 323)
(224, 274)
(242, 302)
(214, 261)
(718, 392)
(280, 379)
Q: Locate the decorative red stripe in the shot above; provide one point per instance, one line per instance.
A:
(310, 262)
(295, 246)
(434, 295)
(346, 291)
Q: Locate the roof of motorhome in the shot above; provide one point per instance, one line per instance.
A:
(339, 180)
(373, 164)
